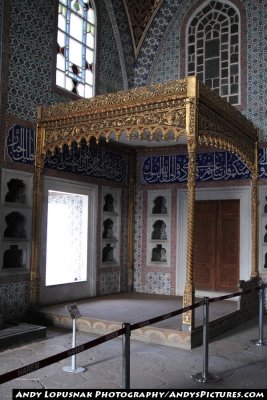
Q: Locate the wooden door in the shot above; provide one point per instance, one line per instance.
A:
(216, 245)
(204, 245)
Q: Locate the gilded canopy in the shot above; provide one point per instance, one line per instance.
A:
(155, 115)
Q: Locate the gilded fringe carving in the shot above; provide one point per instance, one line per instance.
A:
(121, 100)
(225, 143)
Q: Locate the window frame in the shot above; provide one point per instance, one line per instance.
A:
(66, 278)
(240, 8)
(59, 89)
(77, 289)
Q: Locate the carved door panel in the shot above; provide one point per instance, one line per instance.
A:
(216, 245)
(205, 245)
(227, 245)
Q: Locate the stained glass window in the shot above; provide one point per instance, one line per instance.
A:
(75, 64)
(213, 48)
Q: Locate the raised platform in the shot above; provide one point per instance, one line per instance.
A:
(14, 335)
(107, 313)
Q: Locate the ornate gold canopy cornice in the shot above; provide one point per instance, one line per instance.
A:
(151, 115)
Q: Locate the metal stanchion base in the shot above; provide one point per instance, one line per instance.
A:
(74, 371)
(259, 342)
(210, 378)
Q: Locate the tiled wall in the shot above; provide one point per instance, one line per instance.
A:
(257, 65)
(159, 58)
(109, 79)
(153, 277)
(109, 283)
(125, 38)
(14, 300)
(32, 34)
(31, 57)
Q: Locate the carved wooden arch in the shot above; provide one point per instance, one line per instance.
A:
(157, 113)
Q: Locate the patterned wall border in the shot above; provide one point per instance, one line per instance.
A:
(215, 166)
(14, 299)
(109, 283)
(92, 160)
(138, 239)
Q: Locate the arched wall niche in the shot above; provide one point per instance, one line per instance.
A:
(158, 115)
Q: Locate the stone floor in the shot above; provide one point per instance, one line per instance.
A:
(238, 362)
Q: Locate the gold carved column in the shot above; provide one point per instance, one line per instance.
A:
(131, 215)
(36, 224)
(255, 216)
(191, 127)
(189, 293)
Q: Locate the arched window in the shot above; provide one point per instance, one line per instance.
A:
(213, 48)
(75, 64)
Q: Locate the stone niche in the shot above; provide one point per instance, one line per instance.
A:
(16, 221)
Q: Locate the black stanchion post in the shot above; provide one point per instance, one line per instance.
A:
(74, 314)
(126, 356)
(204, 376)
(260, 341)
